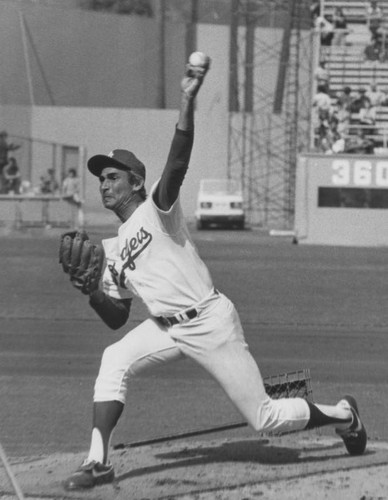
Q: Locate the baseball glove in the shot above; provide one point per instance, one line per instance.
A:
(81, 260)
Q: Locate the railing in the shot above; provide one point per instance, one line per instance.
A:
(36, 156)
(21, 211)
(380, 136)
(380, 139)
(31, 206)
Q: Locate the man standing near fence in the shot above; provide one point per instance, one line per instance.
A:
(5, 148)
(71, 193)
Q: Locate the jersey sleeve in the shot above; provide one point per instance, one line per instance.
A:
(167, 221)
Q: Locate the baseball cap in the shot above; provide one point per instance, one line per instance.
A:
(118, 158)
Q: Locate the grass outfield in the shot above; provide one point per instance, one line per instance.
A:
(323, 308)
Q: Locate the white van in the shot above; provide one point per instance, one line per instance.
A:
(220, 202)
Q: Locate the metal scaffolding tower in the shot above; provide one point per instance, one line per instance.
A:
(271, 83)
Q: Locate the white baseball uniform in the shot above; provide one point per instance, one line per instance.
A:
(153, 257)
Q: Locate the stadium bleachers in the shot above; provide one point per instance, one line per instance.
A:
(354, 10)
(348, 67)
(347, 64)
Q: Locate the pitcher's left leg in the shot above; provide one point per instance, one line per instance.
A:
(218, 345)
(216, 341)
(233, 366)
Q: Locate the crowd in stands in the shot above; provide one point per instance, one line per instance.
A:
(346, 122)
(334, 29)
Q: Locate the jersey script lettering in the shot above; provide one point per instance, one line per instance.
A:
(118, 280)
(134, 247)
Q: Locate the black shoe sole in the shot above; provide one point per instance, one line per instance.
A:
(355, 446)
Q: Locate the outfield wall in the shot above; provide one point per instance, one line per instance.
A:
(342, 200)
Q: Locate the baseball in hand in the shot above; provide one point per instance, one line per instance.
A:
(199, 59)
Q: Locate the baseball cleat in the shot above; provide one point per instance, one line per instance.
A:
(354, 437)
(90, 474)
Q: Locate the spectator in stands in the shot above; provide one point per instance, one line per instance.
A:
(71, 188)
(336, 128)
(325, 146)
(338, 145)
(71, 192)
(5, 148)
(345, 98)
(326, 134)
(12, 177)
(26, 188)
(359, 144)
(377, 97)
(374, 51)
(48, 183)
(359, 101)
(322, 105)
(326, 29)
(333, 118)
(385, 101)
(340, 27)
(322, 75)
(328, 138)
(374, 18)
(322, 140)
(367, 118)
(332, 141)
(341, 117)
(322, 101)
(315, 10)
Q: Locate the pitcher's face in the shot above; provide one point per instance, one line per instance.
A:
(115, 189)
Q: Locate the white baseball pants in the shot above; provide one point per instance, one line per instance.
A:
(215, 340)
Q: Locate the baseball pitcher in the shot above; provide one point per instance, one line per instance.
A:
(153, 258)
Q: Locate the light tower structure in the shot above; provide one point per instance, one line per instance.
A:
(272, 58)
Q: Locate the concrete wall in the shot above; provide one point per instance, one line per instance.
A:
(67, 57)
(147, 132)
(345, 225)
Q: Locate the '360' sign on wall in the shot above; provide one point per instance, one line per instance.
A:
(360, 173)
